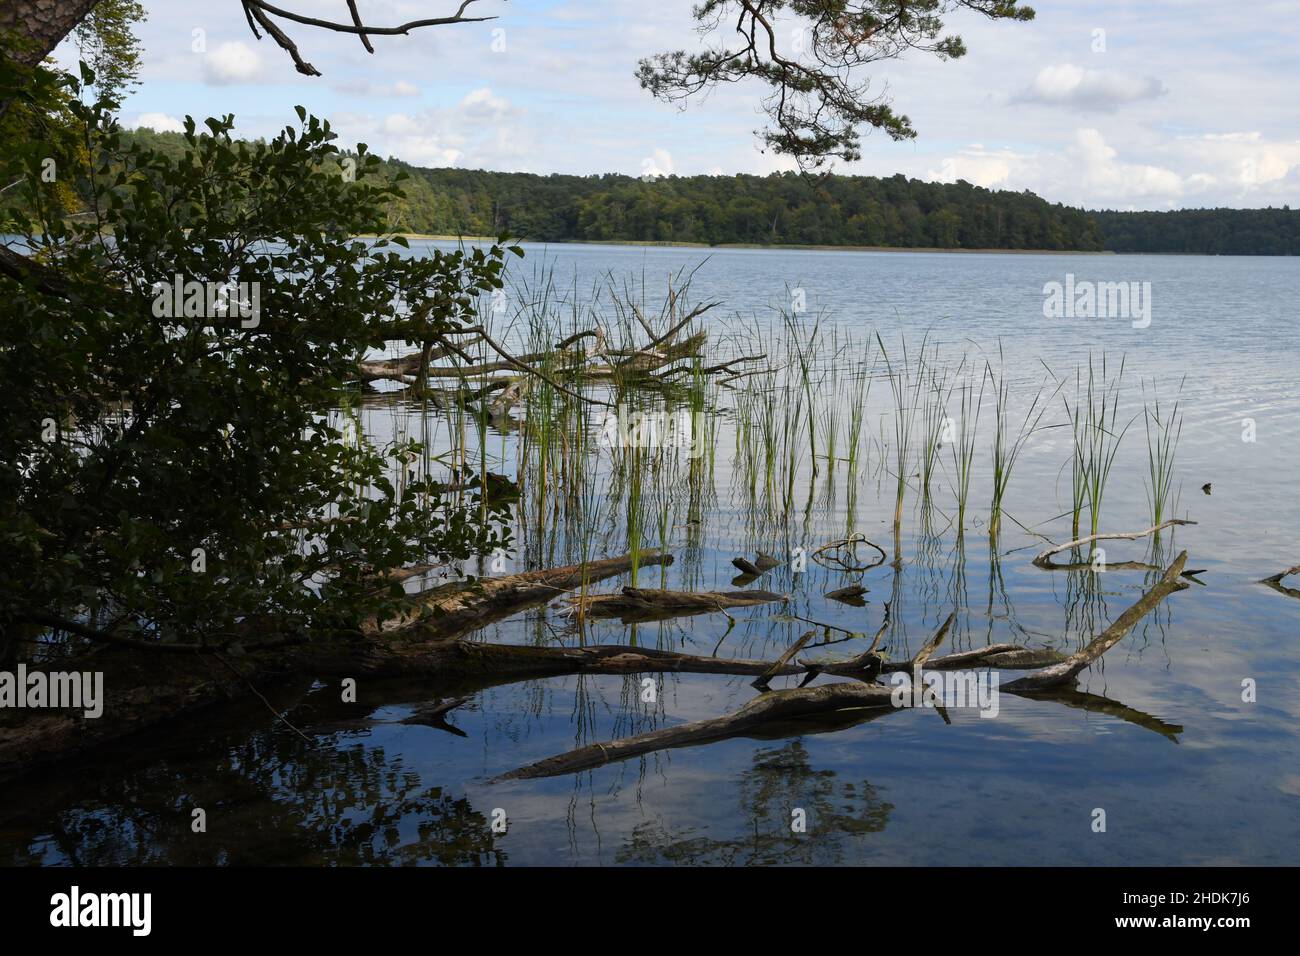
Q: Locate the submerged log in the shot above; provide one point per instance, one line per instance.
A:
(1066, 670)
(1096, 704)
(761, 711)
(142, 689)
(448, 611)
(805, 702)
(635, 602)
(765, 678)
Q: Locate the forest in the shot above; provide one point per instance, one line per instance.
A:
(794, 209)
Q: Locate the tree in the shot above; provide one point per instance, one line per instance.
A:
(37, 26)
(816, 100)
(107, 43)
(175, 467)
(161, 459)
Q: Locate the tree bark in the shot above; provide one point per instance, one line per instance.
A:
(41, 24)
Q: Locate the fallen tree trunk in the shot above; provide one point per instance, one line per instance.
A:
(646, 601)
(448, 611)
(762, 710)
(1066, 670)
(143, 689)
(804, 702)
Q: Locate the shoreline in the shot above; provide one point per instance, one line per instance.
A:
(428, 237)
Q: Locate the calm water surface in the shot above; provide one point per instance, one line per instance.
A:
(1186, 771)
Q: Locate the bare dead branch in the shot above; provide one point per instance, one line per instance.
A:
(829, 701)
(1066, 670)
(1043, 558)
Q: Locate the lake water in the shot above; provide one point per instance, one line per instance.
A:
(1186, 770)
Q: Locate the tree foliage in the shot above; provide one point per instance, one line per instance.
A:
(156, 469)
(817, 97)
(1206, 232)
(782, 208)
(107, 43)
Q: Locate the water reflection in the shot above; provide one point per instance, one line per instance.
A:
(374, 790)
(781, 781)
(269, 798)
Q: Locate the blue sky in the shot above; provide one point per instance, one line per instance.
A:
(1174, 103)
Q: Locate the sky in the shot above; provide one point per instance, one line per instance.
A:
(1142, 104)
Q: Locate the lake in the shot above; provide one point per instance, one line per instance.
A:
(1187, 764)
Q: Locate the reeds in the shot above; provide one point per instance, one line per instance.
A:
(1164, 427)
(934, 420)
(1097, 438)
(1007, 446)
(905, 387)
(970, 403)
(858, 398)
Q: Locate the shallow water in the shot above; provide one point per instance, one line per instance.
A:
(1189, 773)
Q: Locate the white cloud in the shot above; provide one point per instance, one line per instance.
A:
(481, 130)
(380, 90)
(1245, 160)
(1091, 90)
(428, 151)
(160, 122)
(660, 163)
(563, 97)
(1104, 174)
(400, 124)
(990, 168)
(482, 105)
(232, 62)
(1085, 170)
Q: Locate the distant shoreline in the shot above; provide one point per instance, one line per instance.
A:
(756, 245)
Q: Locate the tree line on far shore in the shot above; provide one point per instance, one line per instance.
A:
(792, 209)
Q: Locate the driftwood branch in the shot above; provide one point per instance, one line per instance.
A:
(450, 610)
(1275, 582)
(829, 555)
(435, 715)
(831, 699)
(762, 710)
(764, 678)
(1044, 558)
(642, 603)
(1065, 671)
